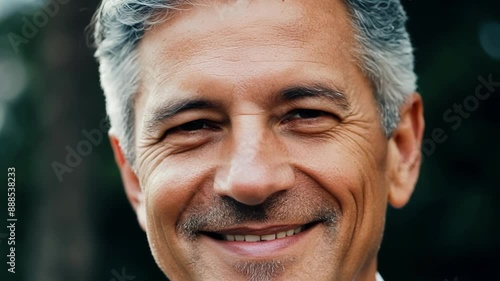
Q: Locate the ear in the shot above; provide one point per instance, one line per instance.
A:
(130, 181)
(404, 147)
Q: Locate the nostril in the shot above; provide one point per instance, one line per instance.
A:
(252, 181)
(252, 190)
(248, 197)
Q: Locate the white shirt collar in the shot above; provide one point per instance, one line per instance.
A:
(378, 277)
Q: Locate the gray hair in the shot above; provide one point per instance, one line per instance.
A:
(384, 48)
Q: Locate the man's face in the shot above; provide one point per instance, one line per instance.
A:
(254, 122)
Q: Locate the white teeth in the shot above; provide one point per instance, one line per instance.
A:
(252, 238)
(268, 237)
(281, 235)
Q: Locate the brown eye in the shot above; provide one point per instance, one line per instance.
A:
(194, 126)
(309, 121)
(305, 114)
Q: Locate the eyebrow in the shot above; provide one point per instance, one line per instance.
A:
(305, 91)
(167, 111)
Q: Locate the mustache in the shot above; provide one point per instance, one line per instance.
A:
(219, 213)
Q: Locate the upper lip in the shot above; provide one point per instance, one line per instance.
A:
(257, 230)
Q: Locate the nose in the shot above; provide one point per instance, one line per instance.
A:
(256, 166)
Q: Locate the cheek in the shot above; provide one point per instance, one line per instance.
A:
(352, 177)
(330, 164)
(351, 170)
(171, 187)
(165, 195)
(169, 191)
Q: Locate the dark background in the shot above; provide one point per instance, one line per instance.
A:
(82, 228)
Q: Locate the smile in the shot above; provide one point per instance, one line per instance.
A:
(256, 238)
(258, 235)
(263, 241)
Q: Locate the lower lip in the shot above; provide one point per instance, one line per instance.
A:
(262, 248)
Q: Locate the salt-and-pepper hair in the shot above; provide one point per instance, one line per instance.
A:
(383, 47)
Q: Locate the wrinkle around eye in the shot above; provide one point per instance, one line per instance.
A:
(149, 159)
(153, 155)
(310, 121)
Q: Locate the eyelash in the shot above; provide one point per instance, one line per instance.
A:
(317, 114)
(210, 125)
(206, 124)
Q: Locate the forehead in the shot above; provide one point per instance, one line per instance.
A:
(225, 33)
(247, 46)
